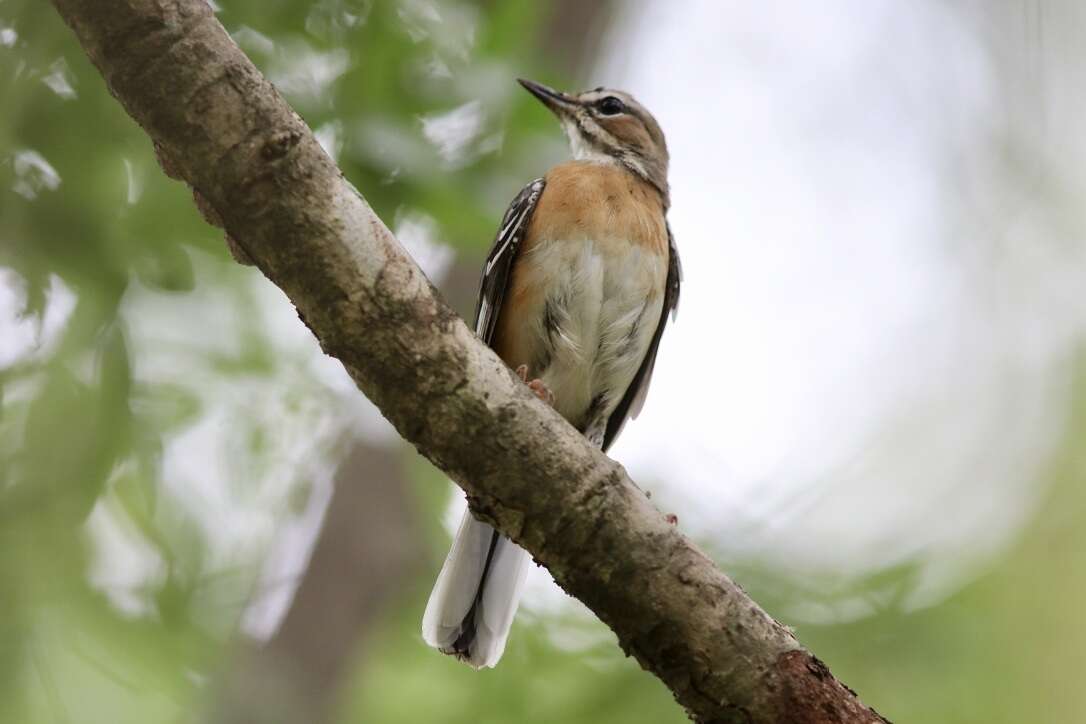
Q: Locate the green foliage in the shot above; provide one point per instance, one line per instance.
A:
(91, 404)
(538, 680)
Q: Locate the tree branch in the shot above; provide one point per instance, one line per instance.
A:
(228, 133)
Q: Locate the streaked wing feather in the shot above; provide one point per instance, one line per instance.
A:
(479, 586)
(499, 261)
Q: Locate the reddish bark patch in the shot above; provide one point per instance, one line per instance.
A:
(811, 694)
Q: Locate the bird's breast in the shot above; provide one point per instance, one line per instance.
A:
(586, 310)
(585, 294)
(581, 309)
(598, 201)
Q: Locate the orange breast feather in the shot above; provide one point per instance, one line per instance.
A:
(590, 200)
(581, 201)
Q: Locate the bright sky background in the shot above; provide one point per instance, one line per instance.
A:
(855, 378)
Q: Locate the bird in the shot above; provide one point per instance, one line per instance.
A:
(575, 295)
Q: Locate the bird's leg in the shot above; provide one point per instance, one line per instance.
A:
(537, 386)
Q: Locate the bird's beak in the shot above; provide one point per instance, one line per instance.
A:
(561, 104)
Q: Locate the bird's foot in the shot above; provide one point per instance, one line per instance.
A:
(541, 391)
(537, 386)
(672, 518)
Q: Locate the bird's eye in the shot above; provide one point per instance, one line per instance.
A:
(611, 106)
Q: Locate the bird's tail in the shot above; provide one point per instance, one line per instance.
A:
(471, 608)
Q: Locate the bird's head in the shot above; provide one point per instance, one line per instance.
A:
(609, 126)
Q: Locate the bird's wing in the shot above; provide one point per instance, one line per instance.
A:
(471, 609)
(634, 399)
(500, 259)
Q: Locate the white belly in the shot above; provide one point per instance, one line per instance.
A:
(596, 323)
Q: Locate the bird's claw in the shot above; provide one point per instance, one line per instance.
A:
(537, 386)
(542, 391)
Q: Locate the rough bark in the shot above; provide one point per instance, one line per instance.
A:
(228, 133)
